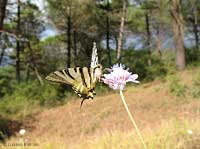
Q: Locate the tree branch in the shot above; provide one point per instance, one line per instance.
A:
(13, 35)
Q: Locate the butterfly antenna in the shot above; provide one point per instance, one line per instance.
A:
(107, 69)
(82, 103)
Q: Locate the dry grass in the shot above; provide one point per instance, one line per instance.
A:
(103, 122)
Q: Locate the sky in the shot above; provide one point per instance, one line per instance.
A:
(50, 30)
(40, 3)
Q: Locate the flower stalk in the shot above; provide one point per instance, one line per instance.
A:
(132, 120)
(117, 79)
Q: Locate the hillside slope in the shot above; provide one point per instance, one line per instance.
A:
(162, 115)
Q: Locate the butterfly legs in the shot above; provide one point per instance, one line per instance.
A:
(86, 98)
(82, 102)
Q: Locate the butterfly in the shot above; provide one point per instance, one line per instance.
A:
(82, 80)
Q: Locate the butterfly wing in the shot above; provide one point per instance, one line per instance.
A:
(82, 80)
(62, 76)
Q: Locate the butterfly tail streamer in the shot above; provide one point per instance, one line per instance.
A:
(94, 59)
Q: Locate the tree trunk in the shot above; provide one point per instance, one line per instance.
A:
(194, 21)
(107, 39)
(69, 41)
(18, 44)
(116, 41)
(159, 41)
(18, 77)
(2, 54)
(195, 29)
(3, 41)
(75, 47)
(108, 33)
(27, 73)
(3, 4)
(38, 76)
(148, 37)
(121, 31)
(34, 65)
(178, 34)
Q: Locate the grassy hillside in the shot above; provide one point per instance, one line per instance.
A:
(166, 110)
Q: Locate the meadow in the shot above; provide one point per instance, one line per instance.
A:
(166, 110)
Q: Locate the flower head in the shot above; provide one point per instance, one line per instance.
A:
(189, 132)
(118, 77)
(22, 131)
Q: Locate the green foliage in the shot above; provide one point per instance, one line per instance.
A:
(137, 61)
(137, 19)
(6, 80)
(102, 89)
(196, 87)
(177, 88)
(193, 56)
(2, 136)
(15, 97)
(30, 93)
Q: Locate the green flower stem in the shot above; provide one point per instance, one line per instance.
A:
(132, 120)
(21, 140)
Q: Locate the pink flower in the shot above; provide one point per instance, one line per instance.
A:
(118, 77)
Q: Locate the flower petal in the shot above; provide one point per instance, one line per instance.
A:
(133, 78)
(118, 77)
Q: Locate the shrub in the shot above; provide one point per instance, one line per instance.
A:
(196, 87)
(193, 56)
(137, 61)
(177, 88)
(25, 94)
(6, 80)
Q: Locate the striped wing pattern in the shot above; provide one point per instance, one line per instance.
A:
(82, 80)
